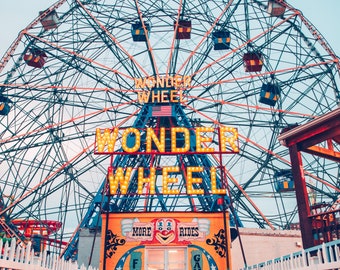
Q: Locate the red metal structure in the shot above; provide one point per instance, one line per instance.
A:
(41, 227)
(320, 222)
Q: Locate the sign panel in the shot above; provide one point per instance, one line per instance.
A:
(166, 141)
(185, 240)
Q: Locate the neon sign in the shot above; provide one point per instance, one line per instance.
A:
(163, 96)
(173, 140)
(165, 89)
(163, 82)
(164, 141)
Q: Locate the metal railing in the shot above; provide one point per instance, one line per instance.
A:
(17, 257)
(322, 257)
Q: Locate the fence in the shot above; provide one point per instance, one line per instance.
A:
(23, 258)
(325, 256)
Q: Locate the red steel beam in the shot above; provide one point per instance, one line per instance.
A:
(305, 138)
(315, 129)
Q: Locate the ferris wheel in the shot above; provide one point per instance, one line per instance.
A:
(255, 65)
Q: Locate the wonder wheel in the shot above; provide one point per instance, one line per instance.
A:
(257, 66)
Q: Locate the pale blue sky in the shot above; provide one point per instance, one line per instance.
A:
(17, 14)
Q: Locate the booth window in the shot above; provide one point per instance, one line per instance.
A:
(174, 258)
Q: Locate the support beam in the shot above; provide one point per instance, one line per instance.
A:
(317, 137)
(301, 197)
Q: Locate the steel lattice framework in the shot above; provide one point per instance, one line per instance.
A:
(61, 82)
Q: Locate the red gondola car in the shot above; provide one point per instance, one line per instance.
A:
(183, 29)
(50, 21)
(253, 61)
(275, 9)
(35, 58)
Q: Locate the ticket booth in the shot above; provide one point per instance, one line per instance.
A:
(165, 240)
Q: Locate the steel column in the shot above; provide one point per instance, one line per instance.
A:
(301, 196)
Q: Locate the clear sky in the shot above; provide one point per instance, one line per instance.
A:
(325, 16)
(15, 15)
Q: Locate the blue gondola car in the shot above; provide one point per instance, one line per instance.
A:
(4, 105)
(270, 93)
(221, 40)
(138, 32)
(4, 108)
(284, 181)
